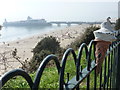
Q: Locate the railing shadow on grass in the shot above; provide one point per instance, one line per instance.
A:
(106, 79)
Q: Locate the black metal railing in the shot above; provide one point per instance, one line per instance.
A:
(109, 76)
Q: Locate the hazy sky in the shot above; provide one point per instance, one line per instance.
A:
(48, 9)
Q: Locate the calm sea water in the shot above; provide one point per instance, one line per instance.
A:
(14, 33)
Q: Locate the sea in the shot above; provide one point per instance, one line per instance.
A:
(8, 34)
(73, 11)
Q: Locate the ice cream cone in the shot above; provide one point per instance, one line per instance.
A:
(101, 48)
(103, 38)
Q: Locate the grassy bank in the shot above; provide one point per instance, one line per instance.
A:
(50, 78)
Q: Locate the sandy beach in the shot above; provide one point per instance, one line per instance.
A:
(24, 46)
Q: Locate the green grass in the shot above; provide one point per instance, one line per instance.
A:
(50, 77)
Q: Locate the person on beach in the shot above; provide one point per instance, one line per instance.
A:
(103, 38)
(0, 27)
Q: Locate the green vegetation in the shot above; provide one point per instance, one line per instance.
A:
(50, 75)
(85, 38)
(49, 78)
(48, 45)
(117, 24)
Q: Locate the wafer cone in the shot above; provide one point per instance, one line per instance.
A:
(101, 48)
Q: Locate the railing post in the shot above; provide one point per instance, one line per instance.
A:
(118, 70)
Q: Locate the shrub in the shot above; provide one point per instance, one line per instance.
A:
(85, 38)
(36, 60)
(41, 55)
(48, 43)
(117, 24)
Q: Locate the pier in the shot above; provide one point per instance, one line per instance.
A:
(59, 23)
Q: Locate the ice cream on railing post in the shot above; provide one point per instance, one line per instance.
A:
(103, 38)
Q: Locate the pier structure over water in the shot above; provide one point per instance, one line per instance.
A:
(43, 22)
(58, 23)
